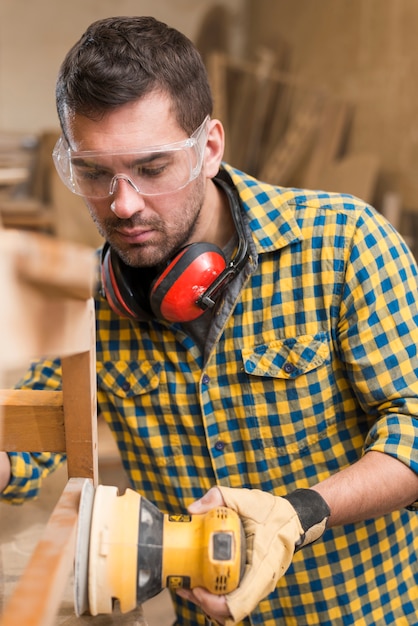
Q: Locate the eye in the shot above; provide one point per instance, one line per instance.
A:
(90, 171)
(154, 166)
(150, 171)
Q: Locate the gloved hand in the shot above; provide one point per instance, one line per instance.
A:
(275, 527)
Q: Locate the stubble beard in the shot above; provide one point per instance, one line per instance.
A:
(162, 248)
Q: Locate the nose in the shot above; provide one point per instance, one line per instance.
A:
(127, 197)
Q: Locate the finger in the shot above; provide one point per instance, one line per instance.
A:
(186, 594)
(210, 500)
(213, 606)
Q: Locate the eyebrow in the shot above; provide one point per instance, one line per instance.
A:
(152, 156)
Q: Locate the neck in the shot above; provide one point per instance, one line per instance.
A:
(216, 224)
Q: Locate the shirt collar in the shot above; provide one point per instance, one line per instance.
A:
(270, 211)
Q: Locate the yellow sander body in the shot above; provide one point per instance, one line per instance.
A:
(127, 550)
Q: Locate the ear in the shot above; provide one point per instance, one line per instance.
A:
(214, 148)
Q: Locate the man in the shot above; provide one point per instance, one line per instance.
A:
(255, 345)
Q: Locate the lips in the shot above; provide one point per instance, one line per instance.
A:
(135, 235)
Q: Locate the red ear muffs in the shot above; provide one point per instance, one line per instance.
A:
(190, 284)
(175, 294)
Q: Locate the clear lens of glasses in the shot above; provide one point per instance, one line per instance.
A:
(152, 171)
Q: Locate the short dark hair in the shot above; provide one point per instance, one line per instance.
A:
(121, 59)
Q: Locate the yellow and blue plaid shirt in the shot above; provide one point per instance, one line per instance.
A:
(310, 361)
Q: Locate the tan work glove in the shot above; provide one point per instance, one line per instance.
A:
(275, 528)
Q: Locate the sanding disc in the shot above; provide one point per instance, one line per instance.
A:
(113, 554)
(81, 561)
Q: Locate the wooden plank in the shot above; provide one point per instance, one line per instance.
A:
(49, 311)
(31, 421)
(80, 408)
(55, 326)
(80, 418)
(37, 596)
(241, 89)
(47, 283)
(281, 165)
(392, 208)
(277, 120)
(355, 174)
(329, 139)
(13, 175)
(277, 75)
(57, 270)
(72, 222)
(262, 91)
(40, 221)
(217, 71)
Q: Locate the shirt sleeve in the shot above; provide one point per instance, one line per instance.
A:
(378, 336)
(28, 469)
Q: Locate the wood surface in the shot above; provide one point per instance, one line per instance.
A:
(49, 311)
(37, 597)
(32, 421)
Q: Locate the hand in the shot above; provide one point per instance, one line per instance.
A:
(214, 606)
(274, 528)
(5, 471)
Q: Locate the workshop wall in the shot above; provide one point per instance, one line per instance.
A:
(365, 52)
(36, 34)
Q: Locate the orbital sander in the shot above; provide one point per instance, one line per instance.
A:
(128, 551)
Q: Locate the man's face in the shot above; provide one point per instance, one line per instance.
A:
(143, 230)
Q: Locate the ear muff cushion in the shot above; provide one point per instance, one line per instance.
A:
(111, 288)
(175, 293)
(117, 287)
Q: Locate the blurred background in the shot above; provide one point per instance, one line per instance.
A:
(313, 93)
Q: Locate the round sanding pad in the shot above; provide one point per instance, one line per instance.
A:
(81, 561)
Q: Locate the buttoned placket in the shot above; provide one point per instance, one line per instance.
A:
(216, 440)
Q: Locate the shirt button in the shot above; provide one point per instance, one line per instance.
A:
(220, 445)
(205, 379)
(288, 368)
(126, 386)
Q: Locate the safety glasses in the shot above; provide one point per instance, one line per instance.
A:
(152, 171)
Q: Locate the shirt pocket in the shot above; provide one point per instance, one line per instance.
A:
(129, 395)
(127, 379)
(288, 358)
(289, 384)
